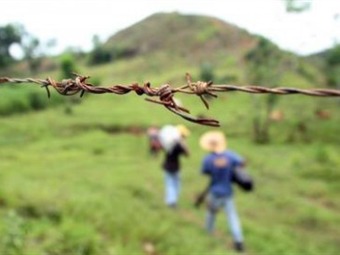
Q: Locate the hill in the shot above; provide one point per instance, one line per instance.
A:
(329, 62)
(191, 36)
(173, 39)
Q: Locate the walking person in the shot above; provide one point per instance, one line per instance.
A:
(219, 165)
(154, 143)
(173, 141)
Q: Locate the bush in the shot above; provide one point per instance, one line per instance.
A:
(37, 102)
(207, 72)
(14, 100)
(67, 66)
(100, 56)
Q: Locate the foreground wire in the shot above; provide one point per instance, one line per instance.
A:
(165, 93)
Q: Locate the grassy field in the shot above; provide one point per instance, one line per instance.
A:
(80, 180)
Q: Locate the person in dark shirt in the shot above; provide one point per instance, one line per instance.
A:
(171, 166)
(219, 165)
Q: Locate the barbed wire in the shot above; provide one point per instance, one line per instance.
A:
(165, 92)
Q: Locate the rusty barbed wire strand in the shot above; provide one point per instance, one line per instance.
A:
(165, 92)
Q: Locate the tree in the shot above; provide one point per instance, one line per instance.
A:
(264, 67)
(99, 55)
(297, 5)
(9, 35)
(31, 48)
(333, 66)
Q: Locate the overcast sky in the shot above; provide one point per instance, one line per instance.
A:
(74, 22)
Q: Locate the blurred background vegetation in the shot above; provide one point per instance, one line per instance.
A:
(76, 176)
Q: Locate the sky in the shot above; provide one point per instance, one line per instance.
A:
(73, 23)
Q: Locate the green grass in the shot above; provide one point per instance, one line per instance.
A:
(70, 185)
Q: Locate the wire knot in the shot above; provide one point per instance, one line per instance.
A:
(200, 87)
(165, 93)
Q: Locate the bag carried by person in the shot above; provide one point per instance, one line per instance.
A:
(168, 137)
(241, 177)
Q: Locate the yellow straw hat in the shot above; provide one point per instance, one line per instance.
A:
(183, 130)
(213, 141)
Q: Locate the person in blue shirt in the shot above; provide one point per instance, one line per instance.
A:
(219, 165)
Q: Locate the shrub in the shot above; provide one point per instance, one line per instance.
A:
(14, 100)
(207, 72)
(67, 66)
(37, 102)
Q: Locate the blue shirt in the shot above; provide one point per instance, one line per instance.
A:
(219, 167)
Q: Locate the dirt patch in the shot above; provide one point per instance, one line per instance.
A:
(112, 129)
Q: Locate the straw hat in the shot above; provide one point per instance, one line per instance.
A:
(213, 141)
(183, 130)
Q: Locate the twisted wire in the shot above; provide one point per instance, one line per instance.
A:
(165, 92)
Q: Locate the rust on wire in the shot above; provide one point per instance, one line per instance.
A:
(165, 93)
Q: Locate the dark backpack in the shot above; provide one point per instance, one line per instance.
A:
(241, 177)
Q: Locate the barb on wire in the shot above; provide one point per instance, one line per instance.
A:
(165, 92)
